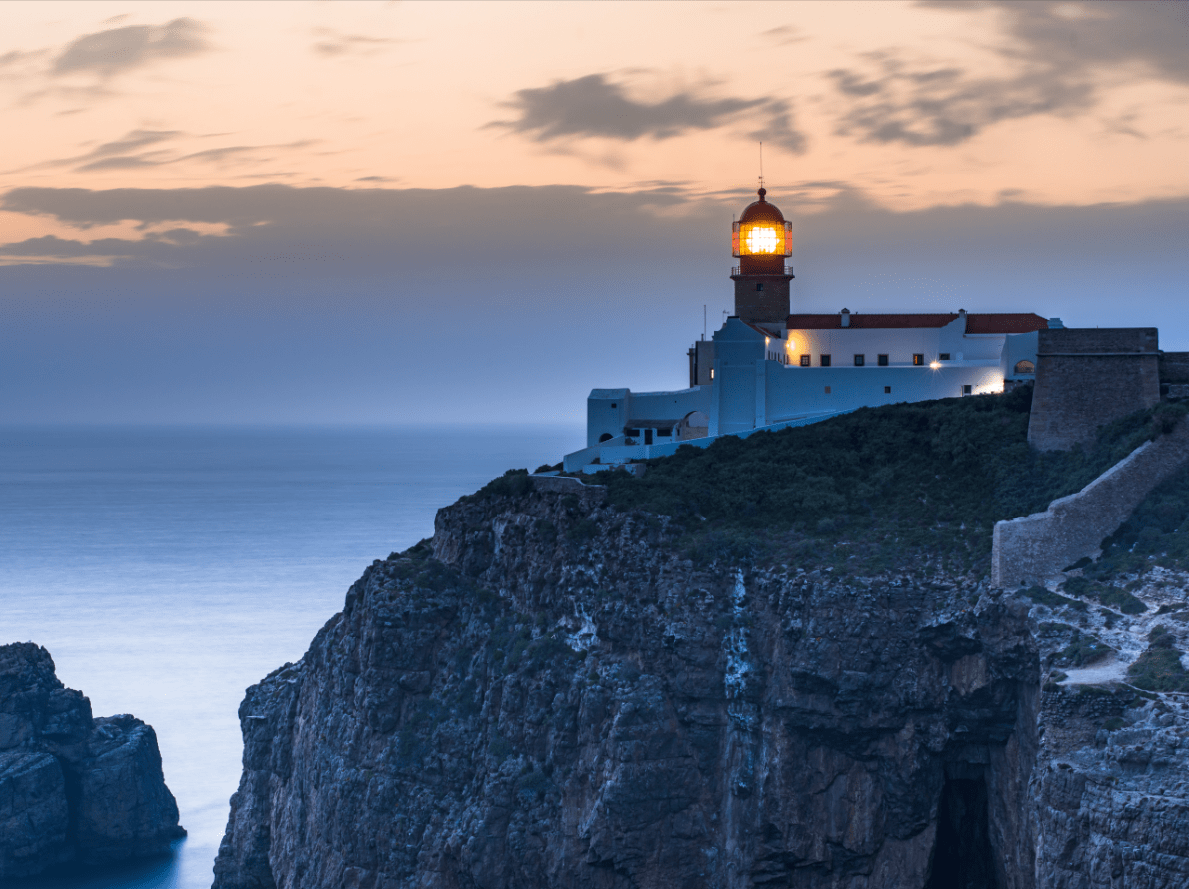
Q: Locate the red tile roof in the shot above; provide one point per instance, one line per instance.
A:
(1005, 322)
(993, 322)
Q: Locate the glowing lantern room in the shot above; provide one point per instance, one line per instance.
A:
(762, 238)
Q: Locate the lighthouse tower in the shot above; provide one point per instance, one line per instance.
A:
(762, 239)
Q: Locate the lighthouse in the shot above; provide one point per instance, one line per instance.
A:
(769, 368)
(761, 239)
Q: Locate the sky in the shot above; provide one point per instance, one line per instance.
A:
(403, 212)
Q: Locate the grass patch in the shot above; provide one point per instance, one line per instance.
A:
(1111, 596)
(1159, 667)
(1042, 596)
(1081, 651)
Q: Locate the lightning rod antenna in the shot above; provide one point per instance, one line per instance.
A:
(761, 164)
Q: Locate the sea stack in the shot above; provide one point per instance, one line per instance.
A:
(74, 789)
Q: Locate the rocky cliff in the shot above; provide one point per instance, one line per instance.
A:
(553, 693)
(73, 789)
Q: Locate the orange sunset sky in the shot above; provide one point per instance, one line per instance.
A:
(154, 136)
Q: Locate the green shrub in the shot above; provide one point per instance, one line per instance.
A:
(1043, 596)
(1108, 595)
(583, 530)
(546, 530)
(513, 483)
(1159, 667)
(1082, 650)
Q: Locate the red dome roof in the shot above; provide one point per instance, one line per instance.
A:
(762, 211)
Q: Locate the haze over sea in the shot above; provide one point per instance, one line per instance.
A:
(167, 569)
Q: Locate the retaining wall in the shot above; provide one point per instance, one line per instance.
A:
(1035, 547)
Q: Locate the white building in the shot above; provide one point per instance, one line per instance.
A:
(768, 369)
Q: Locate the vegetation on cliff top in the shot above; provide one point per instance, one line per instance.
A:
(931, 477)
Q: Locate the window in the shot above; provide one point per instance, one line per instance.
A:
(918, 359)
(606, 436)
(634, 433)
(943, 356)
(1025, 367)
(827, 390)
(805, 361)
(613, 404)
(882, 360)
(824, 360)
(759, 285)
(966, 390)
(712, 373)
(887, 390)
(664, 433)
(860, 360)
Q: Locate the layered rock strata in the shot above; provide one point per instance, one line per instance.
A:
(558, 696)
(73, 789)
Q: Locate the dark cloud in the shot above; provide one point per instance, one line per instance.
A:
(594, 106)
(896, 102)
(121, 49)
(1077, 36)
(1062, 51)
(16, 56)
(141, 149)
(785, 35)
(334, 44)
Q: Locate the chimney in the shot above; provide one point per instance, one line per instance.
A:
(845, 314)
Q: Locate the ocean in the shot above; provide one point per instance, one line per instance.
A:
(167, 569)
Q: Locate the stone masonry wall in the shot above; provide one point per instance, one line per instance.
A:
(1034, 547)
(1088, 377)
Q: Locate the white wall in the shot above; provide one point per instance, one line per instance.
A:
(793, 391)
(899, 344)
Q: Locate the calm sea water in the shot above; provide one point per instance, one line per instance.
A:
(166, 570)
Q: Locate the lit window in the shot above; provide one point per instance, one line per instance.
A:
(918, 359)
(860, 360)
(882, 360)
(824, 360)
(1025, 367)
(712, 373)
(805, 361)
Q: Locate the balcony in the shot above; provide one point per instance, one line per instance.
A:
(784, 270)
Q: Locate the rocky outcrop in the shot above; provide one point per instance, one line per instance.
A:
(553, 693)
(559, 696)
(73, 789)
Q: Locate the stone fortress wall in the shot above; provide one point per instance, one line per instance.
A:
(1088, 377)
(1035, 547)
(1085, 379)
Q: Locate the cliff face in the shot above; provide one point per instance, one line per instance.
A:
(73, 789)
(559, 696)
